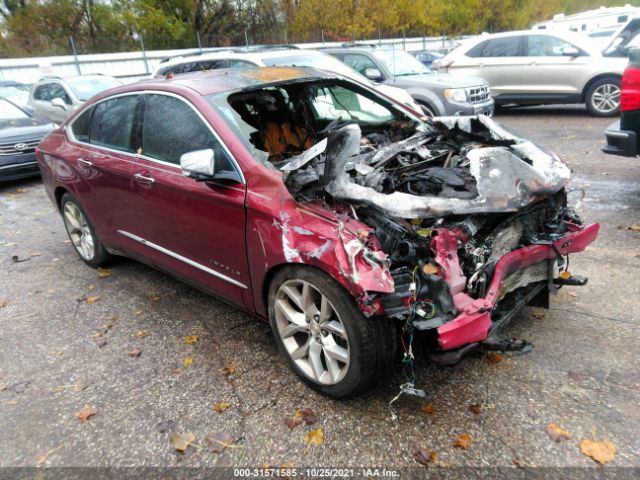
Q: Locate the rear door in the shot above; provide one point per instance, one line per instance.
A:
(549, 73)
(195, 229)
(106, 138)
(500, 62)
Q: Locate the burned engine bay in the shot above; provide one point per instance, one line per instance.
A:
(447, 201)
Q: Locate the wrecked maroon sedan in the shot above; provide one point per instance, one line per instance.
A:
(354, 226)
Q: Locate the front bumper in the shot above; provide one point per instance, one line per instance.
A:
(473, 324)
(620, 142)
(18, 166)
(486, 107)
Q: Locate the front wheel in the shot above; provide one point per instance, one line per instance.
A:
(603, 97)
(327, 341)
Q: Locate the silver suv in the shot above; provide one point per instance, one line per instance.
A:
(54, 98)
(437, 93)
(538, 67)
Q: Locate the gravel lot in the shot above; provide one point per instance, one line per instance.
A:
(582, 375)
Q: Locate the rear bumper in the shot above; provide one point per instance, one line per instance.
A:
(473, 324)
(620, 142)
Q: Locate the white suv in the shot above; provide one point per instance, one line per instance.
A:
(539, 67)
(274, 57)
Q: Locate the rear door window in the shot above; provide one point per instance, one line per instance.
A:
(172, 128)
(502, 47)
(42, 92)
(113, 123)
(546, 46)
(57, 91)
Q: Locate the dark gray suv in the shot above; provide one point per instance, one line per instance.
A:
(437, 93)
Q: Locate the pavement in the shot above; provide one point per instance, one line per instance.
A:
(69, 339)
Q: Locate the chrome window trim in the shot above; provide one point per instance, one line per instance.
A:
(186, 260)
(69, 130)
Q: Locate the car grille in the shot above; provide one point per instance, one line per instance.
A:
(18, 147)
(478, 94)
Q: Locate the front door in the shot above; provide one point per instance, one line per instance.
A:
(196, 230)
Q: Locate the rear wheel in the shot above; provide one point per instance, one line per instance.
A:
(81, 233)
(327, 341)
(603, 97)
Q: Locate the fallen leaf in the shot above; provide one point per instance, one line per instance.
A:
(186, 363)
(303, 415)
(494, 357)
(103, 272)
(138, 312)
(475, 408)
(572, 294)
(135, 353)
(462, 441)
(191, 339)
(35, 254)
(76, 387)
(518, 462)
(575, 376)
(86, 413)
(428, 409)
(4, 303)
(3, 387)
(556, 433)
(155, 299)
(182, 441)
(141, 334)
(314, 437)
(219, 441)
(12, 402)
(602, 452)
(425, 457)
(40, 459)
(538, 315)
(228, 370)
(221, 406)
(92, 300)
(91, 287)
(635, 228)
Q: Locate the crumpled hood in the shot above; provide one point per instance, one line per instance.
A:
(509, 175)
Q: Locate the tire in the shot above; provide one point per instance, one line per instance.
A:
(81, 233)
(603, 97)
(362, 349)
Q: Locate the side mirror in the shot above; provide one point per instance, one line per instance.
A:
(570, 52)
(199, 164)
(58, 102)
(373, 74)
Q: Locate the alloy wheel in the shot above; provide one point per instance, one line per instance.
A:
(606, 98)
(312, 332)
(79, 231)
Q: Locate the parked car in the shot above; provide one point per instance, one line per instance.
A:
(320, 205)
(17, 92)
(20, 132)
(54, 98)
(437, 93)
(622, 136)
(427, 57)
(623, 39)
(272, 56)
(535, 67)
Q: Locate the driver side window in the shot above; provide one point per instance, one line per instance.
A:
(359, 62)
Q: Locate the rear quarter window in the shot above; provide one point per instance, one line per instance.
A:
(80, 126)
(112, 123)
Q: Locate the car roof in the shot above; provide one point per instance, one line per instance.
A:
(257, 55)
(225, 79)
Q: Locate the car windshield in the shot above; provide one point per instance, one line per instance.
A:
(85, 88)
(8, 111)
(400, 63)
(11, 91)
(281, 121)
(320, 61)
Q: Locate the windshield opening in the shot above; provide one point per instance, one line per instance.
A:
(281, 121)
(85, 88)
(400, 63)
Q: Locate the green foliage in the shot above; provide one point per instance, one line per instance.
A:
(43, 27)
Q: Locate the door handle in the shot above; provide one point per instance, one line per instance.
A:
(140, 178)
(84, 163)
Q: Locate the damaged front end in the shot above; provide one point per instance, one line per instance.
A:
(465, 222)
(474, 222)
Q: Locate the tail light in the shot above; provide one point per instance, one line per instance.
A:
(630, 89)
